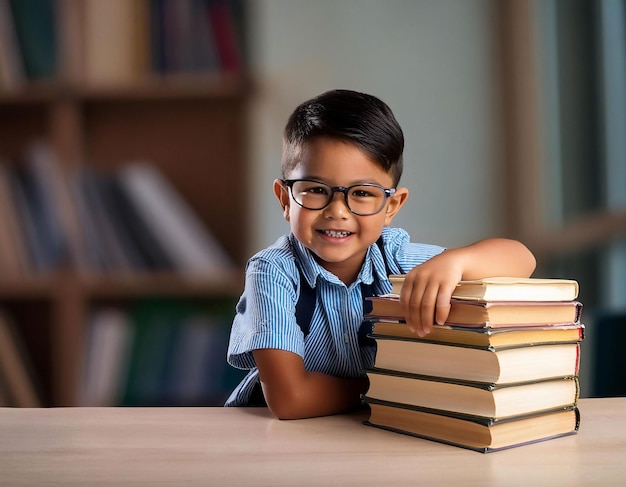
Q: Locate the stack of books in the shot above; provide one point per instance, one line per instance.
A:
(501, 372)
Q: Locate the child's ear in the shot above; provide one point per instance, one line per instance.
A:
(282, 194)
(394, 204)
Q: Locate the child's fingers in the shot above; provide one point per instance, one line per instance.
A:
(443, 303)
(428, 308)
(442, 312)
(410, 300)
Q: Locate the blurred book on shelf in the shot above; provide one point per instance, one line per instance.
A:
(158, 352)
(17, 375)
(73, 40)
(131, 220)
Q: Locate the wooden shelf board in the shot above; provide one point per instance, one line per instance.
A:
(171, 86)
(126, 285)
(31, 287)
(592, 230)
(162, 284)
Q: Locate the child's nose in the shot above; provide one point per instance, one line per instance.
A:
(338, 206)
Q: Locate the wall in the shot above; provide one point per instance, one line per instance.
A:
(432, 61)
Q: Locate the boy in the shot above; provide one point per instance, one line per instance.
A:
(298, 326)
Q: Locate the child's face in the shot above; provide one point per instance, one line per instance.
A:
(337, 237)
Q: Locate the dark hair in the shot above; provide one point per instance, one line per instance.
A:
(357, 118)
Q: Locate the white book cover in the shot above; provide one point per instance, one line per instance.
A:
(117, 58)
(107, 356)
(183, 235)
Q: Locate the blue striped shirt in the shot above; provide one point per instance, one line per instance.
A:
(265, 313)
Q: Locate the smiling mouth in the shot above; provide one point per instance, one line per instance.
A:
(335, 233)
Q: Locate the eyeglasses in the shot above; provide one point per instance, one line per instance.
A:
(361, 199)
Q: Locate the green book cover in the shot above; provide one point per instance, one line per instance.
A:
(34, 22)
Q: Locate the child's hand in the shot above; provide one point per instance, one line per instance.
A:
(427, 289)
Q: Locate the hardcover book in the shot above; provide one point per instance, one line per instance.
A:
(490, 314)
(479, 399)
(480, 364)
(475, 433)
(507, 289)
(484, 336)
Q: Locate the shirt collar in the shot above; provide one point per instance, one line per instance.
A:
(378, 269)
(373, 267)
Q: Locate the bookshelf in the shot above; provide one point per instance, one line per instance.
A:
(189, 125)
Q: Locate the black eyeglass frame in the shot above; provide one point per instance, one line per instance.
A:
(387, 192)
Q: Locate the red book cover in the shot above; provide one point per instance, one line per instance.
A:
(227, 43)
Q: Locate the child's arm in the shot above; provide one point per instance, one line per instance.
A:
(293, 393)
(428, 287)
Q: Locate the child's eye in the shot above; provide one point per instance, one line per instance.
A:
(317, 189)
(362, 193)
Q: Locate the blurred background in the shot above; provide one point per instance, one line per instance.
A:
(139, 141)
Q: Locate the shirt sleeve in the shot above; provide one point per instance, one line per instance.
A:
(265, 314)
(406, 254)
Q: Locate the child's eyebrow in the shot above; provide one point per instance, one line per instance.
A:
(355, 182)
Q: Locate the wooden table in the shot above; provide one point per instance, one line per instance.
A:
(222, 447)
